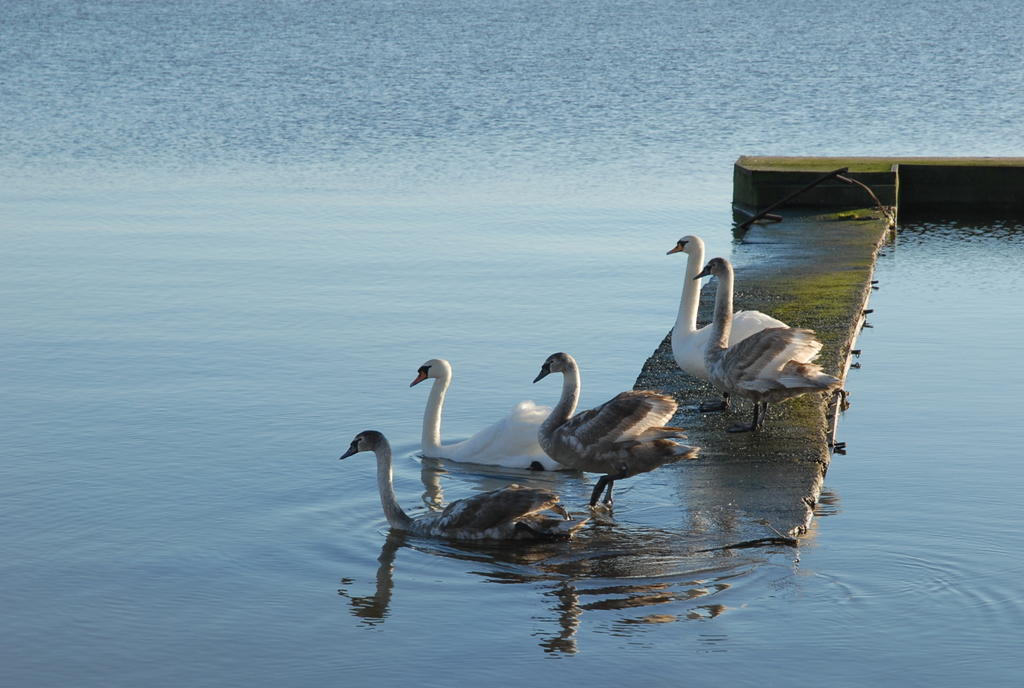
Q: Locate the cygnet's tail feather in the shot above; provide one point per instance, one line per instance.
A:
(540, 527)
(684, 451)
(797, 374)
(661, 433)
(644, 456)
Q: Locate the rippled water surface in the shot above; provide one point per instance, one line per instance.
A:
(233, 231)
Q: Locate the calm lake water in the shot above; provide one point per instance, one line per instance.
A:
(232, 232)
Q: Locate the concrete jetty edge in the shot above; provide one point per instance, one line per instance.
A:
(811, 270)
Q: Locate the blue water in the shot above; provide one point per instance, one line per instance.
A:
(232, 232)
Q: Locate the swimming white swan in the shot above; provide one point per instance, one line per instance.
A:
(510, 513)
(620, 438)
(768, 366)
(511, 441)
(688, 342)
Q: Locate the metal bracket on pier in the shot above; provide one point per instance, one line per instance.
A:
(764, 213)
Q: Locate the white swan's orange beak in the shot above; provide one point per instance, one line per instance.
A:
(420, 377)
(680, 246)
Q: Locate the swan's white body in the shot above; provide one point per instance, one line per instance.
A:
(510, 442)
(620, 438)
(512, 512)
(769, 366)
(688, 342)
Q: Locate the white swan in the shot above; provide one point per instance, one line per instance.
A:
(620, 438)
(768, 366)
(688, 342)
(510, 513)
(511, 441)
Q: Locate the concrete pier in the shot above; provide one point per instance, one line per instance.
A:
(912, 184)
(811, 270)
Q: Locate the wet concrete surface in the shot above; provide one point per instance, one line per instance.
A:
(811, 270)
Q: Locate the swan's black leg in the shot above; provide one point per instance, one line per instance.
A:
(608, 494)
(764, 414)
(739, 427)
(611, 482)
(601, 482)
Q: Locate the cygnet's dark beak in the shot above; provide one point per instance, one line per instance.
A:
(704, 273)
(545, 370)
(351, 450)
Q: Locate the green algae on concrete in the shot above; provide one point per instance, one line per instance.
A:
(796, 163)
(810, 271)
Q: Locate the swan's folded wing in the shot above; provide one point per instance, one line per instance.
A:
(652, 448)
(489, 509)
(766, 352)
(530, 413)
(514, 435)
(626, 415)
(746, 323)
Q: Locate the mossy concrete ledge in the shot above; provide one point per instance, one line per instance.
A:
(912, 184)
(811, 270)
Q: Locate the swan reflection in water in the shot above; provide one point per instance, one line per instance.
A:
(373, 609)
(643, 578)
(625, 579)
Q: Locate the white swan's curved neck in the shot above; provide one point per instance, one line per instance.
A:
(686, 319)
(394, 513)
(431, 437)
(721, 326)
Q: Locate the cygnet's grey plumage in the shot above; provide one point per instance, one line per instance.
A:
(513, 512)
(620, 438)
(768, 366)
(688, 342)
